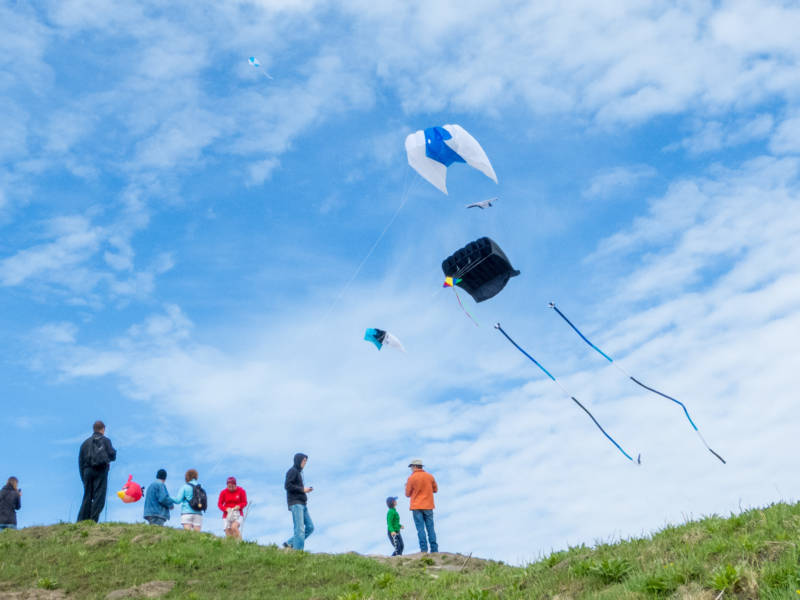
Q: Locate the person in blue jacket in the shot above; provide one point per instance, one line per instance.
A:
(157, 502)
(190, 518)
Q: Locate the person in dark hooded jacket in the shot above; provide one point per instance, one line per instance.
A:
(93, 460)
(10, 503)
(296, 498)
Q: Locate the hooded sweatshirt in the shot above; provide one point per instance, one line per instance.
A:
(9, 504)
(295, 488)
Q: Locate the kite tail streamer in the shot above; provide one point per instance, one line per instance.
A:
(639, 383)
(466, 312)
(638, 459)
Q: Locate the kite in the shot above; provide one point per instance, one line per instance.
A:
(254, 61)
(381, 338)
(131, 491)
(480, 268)
(638, 459)
(482, 204)
(432, 150)
(637, 382)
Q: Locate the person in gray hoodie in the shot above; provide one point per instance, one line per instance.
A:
(296, 498)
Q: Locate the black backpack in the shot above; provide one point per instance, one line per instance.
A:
(199, 500)
(98, 455)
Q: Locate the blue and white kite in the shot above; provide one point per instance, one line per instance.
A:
(254, 61)
(432, 150)
(381, 338)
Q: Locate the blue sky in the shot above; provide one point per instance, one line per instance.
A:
(177, 232)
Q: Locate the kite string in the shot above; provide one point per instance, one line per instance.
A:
(466, 312)
(638, 460)
(406, 193)
(637, 382)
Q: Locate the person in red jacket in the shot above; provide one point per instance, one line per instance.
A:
(421, 487)
(232, 501)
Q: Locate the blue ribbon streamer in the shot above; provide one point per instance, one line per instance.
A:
(638, 459)
(636, 381)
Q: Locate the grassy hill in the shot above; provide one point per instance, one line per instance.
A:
(750, 555)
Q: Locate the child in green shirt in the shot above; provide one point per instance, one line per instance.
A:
(393, 526)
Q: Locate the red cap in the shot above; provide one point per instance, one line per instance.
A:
(232, 480)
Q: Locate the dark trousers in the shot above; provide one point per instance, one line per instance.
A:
(95, 485)
(396, 542)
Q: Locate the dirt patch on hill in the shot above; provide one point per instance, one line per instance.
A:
(33, 594)
(151, 589)
(436, 561)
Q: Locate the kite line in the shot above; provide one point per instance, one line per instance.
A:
(406, 192)
(638, 459)
(637, 382)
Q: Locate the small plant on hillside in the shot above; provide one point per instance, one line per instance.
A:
(351, 596)
(725, 578)
(384, 580)
(476, 595)
(46, 583)
(611, 570)
(554, 559)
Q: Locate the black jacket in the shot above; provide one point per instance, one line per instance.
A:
(295, 489)
(84, 456)
(9, 504)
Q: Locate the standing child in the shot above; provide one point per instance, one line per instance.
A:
(394, 527)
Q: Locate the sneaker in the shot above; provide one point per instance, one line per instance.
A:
(285, 545)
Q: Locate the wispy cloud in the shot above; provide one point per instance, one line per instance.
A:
(618, 179)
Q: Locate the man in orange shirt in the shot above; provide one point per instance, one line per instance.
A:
(420, 487)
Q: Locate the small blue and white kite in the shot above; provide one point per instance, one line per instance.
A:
(254, 61)
(381, 338)
(432, 150)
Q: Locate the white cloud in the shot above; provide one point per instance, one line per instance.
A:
(617, 179)
(711, 136)
(786, 139)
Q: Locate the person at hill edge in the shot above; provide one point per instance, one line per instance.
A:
(393, 526)
(191, 512)
(232, 501)
(420, 487)
(94, 457)
(10, 503)
(157, 502)
(296, 498)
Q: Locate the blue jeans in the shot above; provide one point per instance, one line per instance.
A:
(155, 520)
(303, 527)
(423, 519)
(7, 526)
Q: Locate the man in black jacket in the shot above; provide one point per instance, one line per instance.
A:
(296, 498)
(93, 459)
(10, 503)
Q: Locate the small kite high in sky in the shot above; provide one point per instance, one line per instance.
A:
(636, 381)
(254, 61)
(432, 150)
(482, 204)
(382, 338)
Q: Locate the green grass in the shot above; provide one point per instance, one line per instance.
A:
(750, 555)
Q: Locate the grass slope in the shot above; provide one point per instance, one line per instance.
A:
(750, 555)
